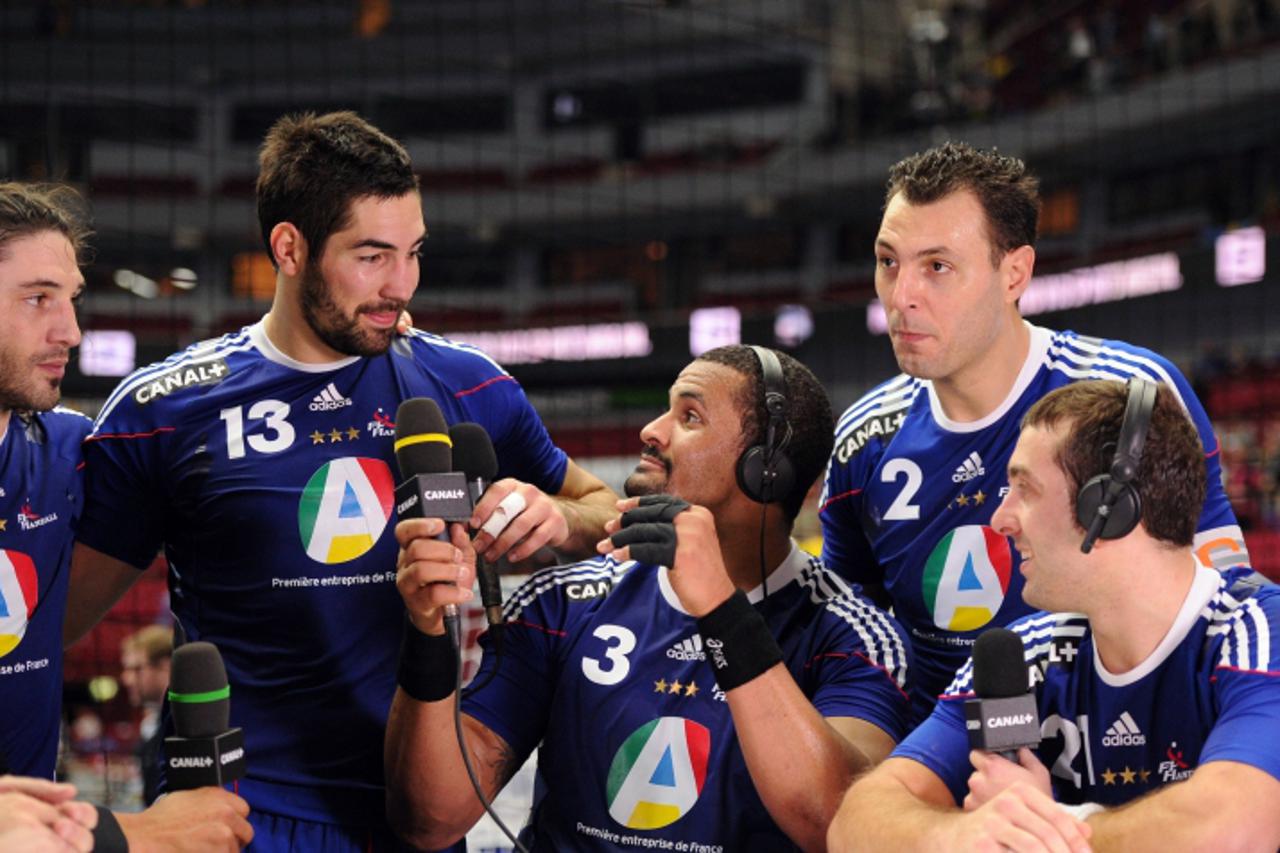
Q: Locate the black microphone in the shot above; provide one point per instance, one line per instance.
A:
(473, 454)
(1002, 717)
(204, 751)
(431, 489)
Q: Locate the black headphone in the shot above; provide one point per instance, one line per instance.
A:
(1109, 506)
(765, 474)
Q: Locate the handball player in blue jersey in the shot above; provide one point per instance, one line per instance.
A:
(919, 461)
(1157, 679)
(678, 698)
(262, 463)
(42, 241)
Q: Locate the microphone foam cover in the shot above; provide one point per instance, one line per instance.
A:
(197, 671)
(421, 417)
(999, 665)
(473, 452)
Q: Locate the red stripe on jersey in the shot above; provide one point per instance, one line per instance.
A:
(484, 385)
(151, 434)
(839, 497)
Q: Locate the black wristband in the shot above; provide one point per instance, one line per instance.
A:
(428, 668)
(108, 837)
(738, 642)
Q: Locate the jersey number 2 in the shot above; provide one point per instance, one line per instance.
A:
(902, 509)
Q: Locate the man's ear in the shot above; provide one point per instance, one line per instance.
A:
(1015, 272)
(288, 248)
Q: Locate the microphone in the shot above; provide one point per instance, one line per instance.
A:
(431, 489)
(473, 454)
(1003, 716)
(204, 751)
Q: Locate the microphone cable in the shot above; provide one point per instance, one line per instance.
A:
(466, 754)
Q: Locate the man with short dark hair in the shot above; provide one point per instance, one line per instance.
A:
(702, 685)
(262, 461)
(43, 235)
(1157, 679)
(919, 460)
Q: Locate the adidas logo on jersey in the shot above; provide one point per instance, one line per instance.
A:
(329, 399)
(971, 469)
(690, 648)
(1124, 732)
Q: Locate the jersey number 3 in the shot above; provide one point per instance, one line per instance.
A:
(621, 642)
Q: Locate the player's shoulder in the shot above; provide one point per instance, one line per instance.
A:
(200, 365)
(874, 632)
(1074, 356)
(60, 427)
(454, 360)
(836, 596)
(569, 585)
(1243, 613)
(875, 416)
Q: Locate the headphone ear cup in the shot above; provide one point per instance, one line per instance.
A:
(751, 475)
(1126, 510)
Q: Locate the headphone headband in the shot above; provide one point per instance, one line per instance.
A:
(1109, 506)
(764, 471)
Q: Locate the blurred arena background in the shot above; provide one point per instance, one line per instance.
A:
(610, 186)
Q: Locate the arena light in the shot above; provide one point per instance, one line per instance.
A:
(1240, 257)
(108, 352)
(1094, 285)
(593, 342)
(136, 283)
(792, 325)
(714, 327)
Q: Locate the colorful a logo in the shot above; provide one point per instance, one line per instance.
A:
(966, 577)
(19, 590)
(658, 773)
(344, 508)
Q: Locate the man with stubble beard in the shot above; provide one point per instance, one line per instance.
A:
(262, 462)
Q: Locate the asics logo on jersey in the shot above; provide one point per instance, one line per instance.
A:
(1124, 732)
(204, 373)
(690, 648)
(329, 399)
(970, 469)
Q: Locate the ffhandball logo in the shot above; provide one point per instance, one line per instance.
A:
(966, 577)
(18, 593)
(344, 508)
(658, 773)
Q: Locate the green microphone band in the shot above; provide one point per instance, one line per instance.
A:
(197, 698)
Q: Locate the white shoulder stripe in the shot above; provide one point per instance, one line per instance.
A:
(437, 340)
(890, 398)
(215, 347)
(598, 569)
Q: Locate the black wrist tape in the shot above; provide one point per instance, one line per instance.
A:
(428, 668)
(738, 643)
(108, 837)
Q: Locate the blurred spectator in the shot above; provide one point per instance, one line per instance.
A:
(144, 671)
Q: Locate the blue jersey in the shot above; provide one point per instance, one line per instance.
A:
(1209, 692)
(605, 669)
(40, 500)
(269, 483)
(909, 496)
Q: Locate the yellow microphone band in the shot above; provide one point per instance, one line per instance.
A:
(420, 438)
